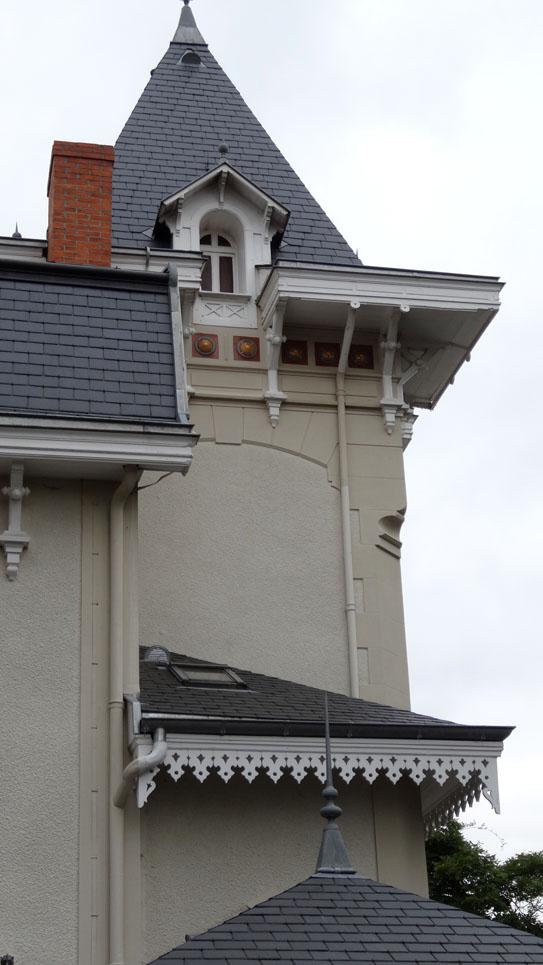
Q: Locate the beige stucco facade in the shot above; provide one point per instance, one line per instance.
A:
(40, 647)
(242, 561)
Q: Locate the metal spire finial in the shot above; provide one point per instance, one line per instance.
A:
(18, 236)
(333, 857)
(187, 31)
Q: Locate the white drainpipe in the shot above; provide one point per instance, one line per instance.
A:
(116, 714)
(350, 604)
(141, 765)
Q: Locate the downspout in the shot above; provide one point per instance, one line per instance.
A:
(116, 713)
(350, 604)
(141, 765)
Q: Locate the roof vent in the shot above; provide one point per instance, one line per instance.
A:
(158, 656)
(191, 59)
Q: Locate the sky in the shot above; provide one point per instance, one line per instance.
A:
(417, 125)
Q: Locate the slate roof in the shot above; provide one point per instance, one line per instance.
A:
(173, 137)
(269, 706)
(331, 919)
(87, 343)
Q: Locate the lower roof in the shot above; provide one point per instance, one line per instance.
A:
(87, 343)
(264, 705)
(331, 919)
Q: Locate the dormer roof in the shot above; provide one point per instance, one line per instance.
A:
(224, 174)
(188, 112)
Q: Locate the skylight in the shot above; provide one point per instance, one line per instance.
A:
(193, 675)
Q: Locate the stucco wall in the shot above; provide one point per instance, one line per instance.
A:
(241, 562)
(39, 751)
(211, 850)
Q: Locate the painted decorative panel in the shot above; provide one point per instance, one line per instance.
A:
(205, 346)
(294, 353)
(246, 349)
(361, 357)
(327, 353)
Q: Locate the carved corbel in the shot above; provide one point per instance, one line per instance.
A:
(274, 336)
(389, 533)
(14, 540)
(188, 298)
(409, 418)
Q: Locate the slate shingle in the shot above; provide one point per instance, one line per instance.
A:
(269, 703)
(172, 138)
(58, 353)
(332, 918)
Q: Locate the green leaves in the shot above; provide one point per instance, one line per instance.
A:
(463, 874)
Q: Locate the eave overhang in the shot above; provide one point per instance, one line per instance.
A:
(451, 774)
(441, 315)
(87, 449)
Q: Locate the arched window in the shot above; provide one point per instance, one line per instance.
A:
(219, 263)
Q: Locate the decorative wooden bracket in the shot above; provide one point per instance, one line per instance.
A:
(392, 401)
(274, 336)
(13, 540)
(223, 179)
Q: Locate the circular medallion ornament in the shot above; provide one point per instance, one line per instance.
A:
(247, 348)
(205, 345)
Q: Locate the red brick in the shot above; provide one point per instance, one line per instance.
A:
(79, 192)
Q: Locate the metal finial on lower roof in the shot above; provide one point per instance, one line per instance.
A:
(18, 236)
(187, 31)
(333, 857)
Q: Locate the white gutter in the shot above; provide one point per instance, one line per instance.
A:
(140, 766)
(116, 712)
(350, 603)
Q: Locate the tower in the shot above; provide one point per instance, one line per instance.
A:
(205, 405)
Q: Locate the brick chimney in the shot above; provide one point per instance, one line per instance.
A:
(79, 192)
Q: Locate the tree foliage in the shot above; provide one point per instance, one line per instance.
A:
(463, 874)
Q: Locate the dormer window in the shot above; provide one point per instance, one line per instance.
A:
(219, 263)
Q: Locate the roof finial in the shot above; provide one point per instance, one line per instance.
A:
(187, 31)
(17, 234)
(333, 857)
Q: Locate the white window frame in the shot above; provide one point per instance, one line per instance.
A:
(214, 252)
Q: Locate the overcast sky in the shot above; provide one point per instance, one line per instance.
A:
(417, 125)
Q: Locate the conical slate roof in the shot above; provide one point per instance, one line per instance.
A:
(349, 919)
(185, 114)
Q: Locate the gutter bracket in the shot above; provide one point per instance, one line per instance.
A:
(13, 540)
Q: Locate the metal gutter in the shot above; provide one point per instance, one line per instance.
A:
(112, 277)
(348, 574)
(181, 724)
(140, 766)
(116, 712)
